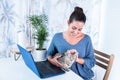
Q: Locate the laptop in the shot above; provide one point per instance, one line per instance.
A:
(43, 69)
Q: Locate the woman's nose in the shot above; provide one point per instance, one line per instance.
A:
(76, 31)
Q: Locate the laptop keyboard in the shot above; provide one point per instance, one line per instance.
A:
(46, 68)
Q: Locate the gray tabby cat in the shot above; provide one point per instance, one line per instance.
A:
(67, 59)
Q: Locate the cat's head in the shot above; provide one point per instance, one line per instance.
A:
(71, 56)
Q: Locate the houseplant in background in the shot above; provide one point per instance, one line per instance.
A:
(39, 24)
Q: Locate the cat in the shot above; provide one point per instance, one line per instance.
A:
(67, 59)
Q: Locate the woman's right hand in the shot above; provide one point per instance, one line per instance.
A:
(54, 61)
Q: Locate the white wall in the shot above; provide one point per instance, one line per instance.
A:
(109, 34)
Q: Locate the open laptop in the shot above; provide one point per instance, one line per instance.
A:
(42, 69)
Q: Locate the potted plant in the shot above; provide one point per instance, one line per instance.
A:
(39, 25)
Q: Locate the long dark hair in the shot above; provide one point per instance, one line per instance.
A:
(77, 15)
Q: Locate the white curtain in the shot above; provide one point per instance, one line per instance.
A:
(13, 15)
(16, 29)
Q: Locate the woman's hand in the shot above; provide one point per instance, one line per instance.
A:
(73, 51)
(54, 61)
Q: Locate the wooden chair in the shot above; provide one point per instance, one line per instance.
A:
(104, 61)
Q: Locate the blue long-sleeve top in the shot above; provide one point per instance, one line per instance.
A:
(85, 51)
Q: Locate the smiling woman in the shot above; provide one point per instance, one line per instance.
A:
(75, 24)
(76, 42)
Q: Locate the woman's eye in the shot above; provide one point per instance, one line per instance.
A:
(79, 29)
(73, 28)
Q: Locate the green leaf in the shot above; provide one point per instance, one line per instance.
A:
(39, 23)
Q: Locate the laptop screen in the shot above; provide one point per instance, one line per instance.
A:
(28, 59)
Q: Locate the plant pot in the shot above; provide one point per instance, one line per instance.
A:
(39, 55)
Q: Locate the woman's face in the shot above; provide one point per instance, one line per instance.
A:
(75, 28)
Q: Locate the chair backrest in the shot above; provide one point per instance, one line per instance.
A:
(104, 61)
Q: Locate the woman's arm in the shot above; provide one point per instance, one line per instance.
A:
(54, 60)
(89, 59)
(52, 51)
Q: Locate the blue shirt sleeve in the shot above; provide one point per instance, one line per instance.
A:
(52, 49)
(89, 59)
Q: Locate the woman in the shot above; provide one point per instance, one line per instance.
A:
(77, 42)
